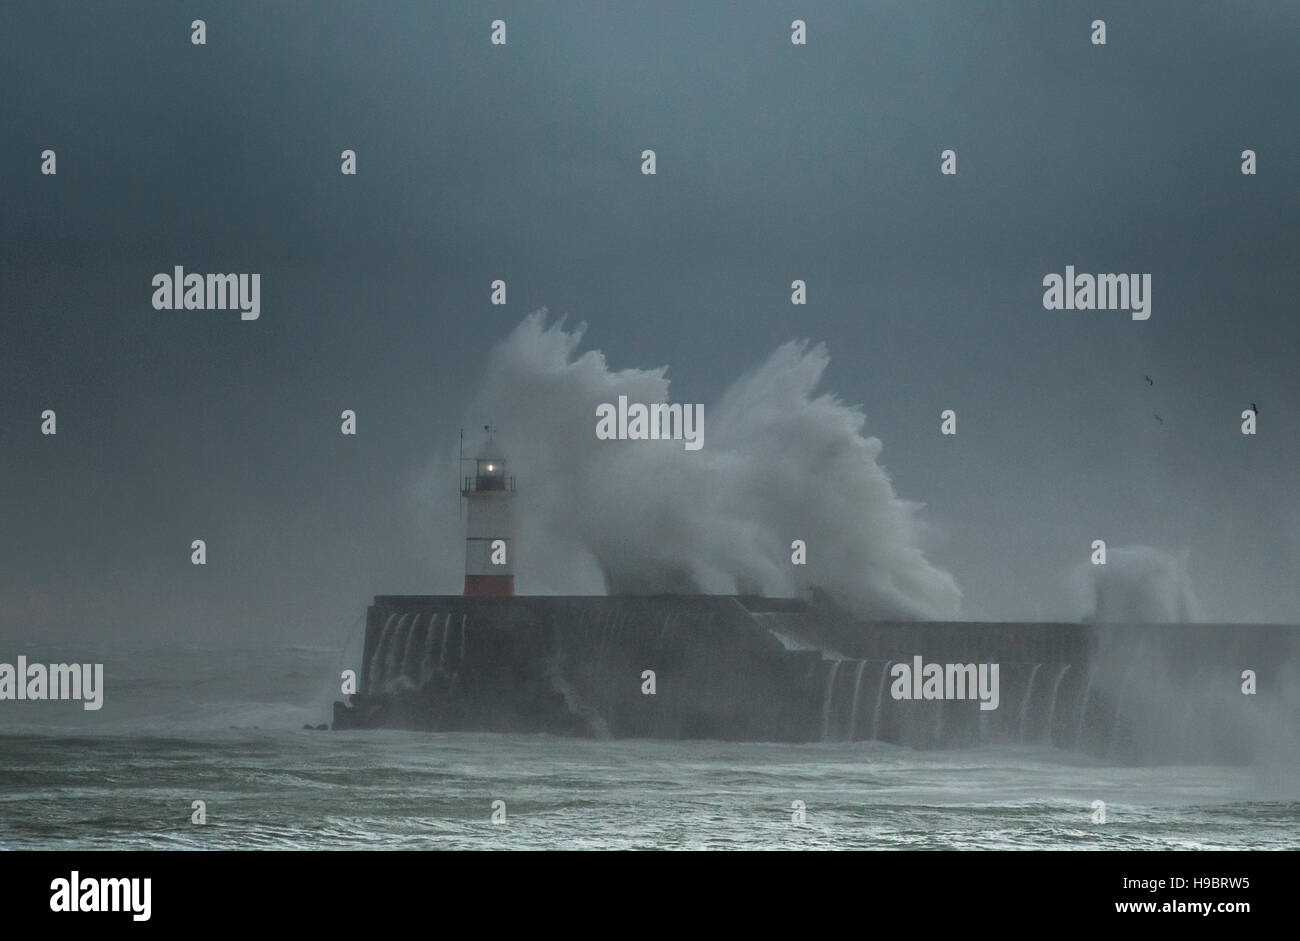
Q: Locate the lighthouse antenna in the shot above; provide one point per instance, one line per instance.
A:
(460, 469)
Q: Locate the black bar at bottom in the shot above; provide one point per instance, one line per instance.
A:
(364, 891)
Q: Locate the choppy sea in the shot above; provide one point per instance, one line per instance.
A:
(225, 727)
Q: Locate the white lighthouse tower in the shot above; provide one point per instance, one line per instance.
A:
(489, 544)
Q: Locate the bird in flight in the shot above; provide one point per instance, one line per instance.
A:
(1159, 419)
(1148, 379)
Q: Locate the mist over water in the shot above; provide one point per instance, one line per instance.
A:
(780, 461)
(1137, 585)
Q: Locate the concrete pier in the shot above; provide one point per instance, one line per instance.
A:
(758, 669)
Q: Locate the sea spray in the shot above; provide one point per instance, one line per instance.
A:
(781, 462)
(1136, 585)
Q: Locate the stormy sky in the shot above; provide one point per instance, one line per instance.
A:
(522, 162)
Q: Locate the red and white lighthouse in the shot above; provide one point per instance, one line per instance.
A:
(489, 531)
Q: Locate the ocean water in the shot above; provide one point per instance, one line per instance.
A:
(225, 727)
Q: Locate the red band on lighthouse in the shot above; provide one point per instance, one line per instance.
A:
(489, 584)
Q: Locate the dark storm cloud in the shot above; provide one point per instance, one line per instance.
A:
(775, 162)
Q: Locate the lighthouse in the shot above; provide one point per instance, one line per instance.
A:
(489, 549)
